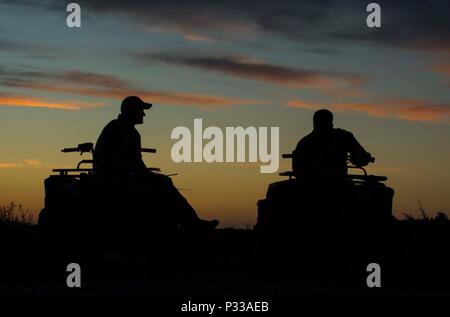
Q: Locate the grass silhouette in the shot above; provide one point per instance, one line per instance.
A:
(14, 213)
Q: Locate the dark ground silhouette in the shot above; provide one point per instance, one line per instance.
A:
(230, 264)
(231, 261)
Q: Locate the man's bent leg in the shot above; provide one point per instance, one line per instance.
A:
(183, 213)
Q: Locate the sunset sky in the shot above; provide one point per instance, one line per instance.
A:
(230, 63)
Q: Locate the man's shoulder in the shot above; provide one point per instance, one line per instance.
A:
(113, 125)
(307, 139)
(110, 130)
(343, 133)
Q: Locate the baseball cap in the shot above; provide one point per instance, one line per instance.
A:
(132, 102)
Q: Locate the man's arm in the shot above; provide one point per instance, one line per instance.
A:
(302, 164)
(133, 150)
(358, 155)
(140, 161)
(109, 148)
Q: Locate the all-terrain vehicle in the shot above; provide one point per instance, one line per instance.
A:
(324, 223)
(358, 198)
(90, 211)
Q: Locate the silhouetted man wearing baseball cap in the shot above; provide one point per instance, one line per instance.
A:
(323, 153)
(119, 146)
(118, 152)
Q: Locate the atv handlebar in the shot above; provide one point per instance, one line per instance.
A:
(89, 147)
(365, 177)
(69, 149)
(82, 148)
(146, 150)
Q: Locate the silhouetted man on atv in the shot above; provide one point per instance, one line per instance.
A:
(118, 153)
(323, 153)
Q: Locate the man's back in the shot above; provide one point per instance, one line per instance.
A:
(118, 148)
(324, 154)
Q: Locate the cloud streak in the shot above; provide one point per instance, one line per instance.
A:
(193, 37)
(98, 85)
(8, 100)
(244, 67)
(406, 109)
(32, 50)
(20, 164)
(445, 69)
(442, 69)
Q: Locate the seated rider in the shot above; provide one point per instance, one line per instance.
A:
(323, 153)
(118, 152)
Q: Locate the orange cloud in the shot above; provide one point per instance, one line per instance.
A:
(9, 165)
(197, 38)
(21, 164)
(407, 109)
(302, 104)
(100, 85)
(31, 162)
(190, 99)
(197, 99)
(23, 101)
(441, 69)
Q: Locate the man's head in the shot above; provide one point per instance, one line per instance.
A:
(323, 120)
(132, 109)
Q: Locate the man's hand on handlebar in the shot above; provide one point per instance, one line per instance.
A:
(82, 148)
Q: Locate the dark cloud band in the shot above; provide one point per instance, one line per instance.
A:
(415, 24)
